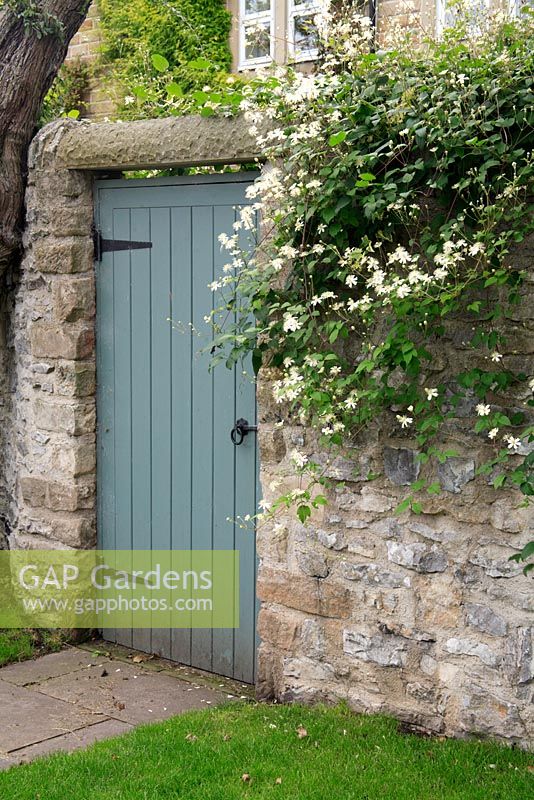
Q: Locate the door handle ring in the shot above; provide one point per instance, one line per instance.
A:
(240, 430)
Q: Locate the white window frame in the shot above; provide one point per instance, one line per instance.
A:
(300, 10)
(441, 14)
(517, 6)
(247, 20)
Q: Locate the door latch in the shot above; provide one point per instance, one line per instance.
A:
(240, 430)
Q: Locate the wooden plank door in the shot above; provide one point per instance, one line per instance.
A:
(169, 477)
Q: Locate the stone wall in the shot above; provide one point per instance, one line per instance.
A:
(419, 616)
(422, 617)
(50, 450)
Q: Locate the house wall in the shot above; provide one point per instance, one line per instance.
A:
(419, 616)
(85, 46)
(392, 15)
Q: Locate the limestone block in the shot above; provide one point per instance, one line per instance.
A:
(73, 530)
(417, 556)
(313, 564)
(386, 650)
(455, 473)
(506, 517)
(278, 628)
(76, 379)
(75, 419)
(33, 490)
(368, 500)
(74, 299)
(519, 656)
(61, 341)
(375, 575)
(311, 595)
(486, 713)
(38, 492)
(401, 465)
(332, 541)
(174, 141)
(63, 255)
(272, 443)
(73, 220)
(76, 459)
(471, 647)
(312, 638)
(485, 619)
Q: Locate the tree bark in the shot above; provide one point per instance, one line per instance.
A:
(28, 66)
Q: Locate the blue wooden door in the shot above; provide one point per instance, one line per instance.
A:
(169, 477)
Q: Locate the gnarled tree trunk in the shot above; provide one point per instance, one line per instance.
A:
(28, 65)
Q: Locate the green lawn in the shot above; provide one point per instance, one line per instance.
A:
(254, 751)
(19, 645)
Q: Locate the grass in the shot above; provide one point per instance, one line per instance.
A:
(21, 644)
(205, 756)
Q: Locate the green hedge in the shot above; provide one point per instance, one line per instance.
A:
(179, 30)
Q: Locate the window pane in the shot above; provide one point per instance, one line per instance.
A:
(305, 3)
(476, 12)
(257, 6)
(257, 41)
(304, 33)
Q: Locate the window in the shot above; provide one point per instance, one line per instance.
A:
(518, 6)
(256, 34)
(276, 30)
(447, 13)
(302, 33)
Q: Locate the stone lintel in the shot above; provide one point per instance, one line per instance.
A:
(156, 144)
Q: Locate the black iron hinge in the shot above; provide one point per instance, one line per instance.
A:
(111, 245)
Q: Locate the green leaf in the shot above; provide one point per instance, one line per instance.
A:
(303, 513)
(367, 176)
(174, 89)
(404, 505)
(159, 62)
(140, 92)
(73, 114)
(527, 551)
(200, 63)
(337, 138)
(415, 487)
(499, 481)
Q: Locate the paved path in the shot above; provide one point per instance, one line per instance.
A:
(67, 700)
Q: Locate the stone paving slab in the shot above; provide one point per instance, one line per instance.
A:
(29, 717)
(71, 741)
(50, 666)
(67, 700)
(129, 693)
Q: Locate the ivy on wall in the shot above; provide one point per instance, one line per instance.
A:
(66, 97)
